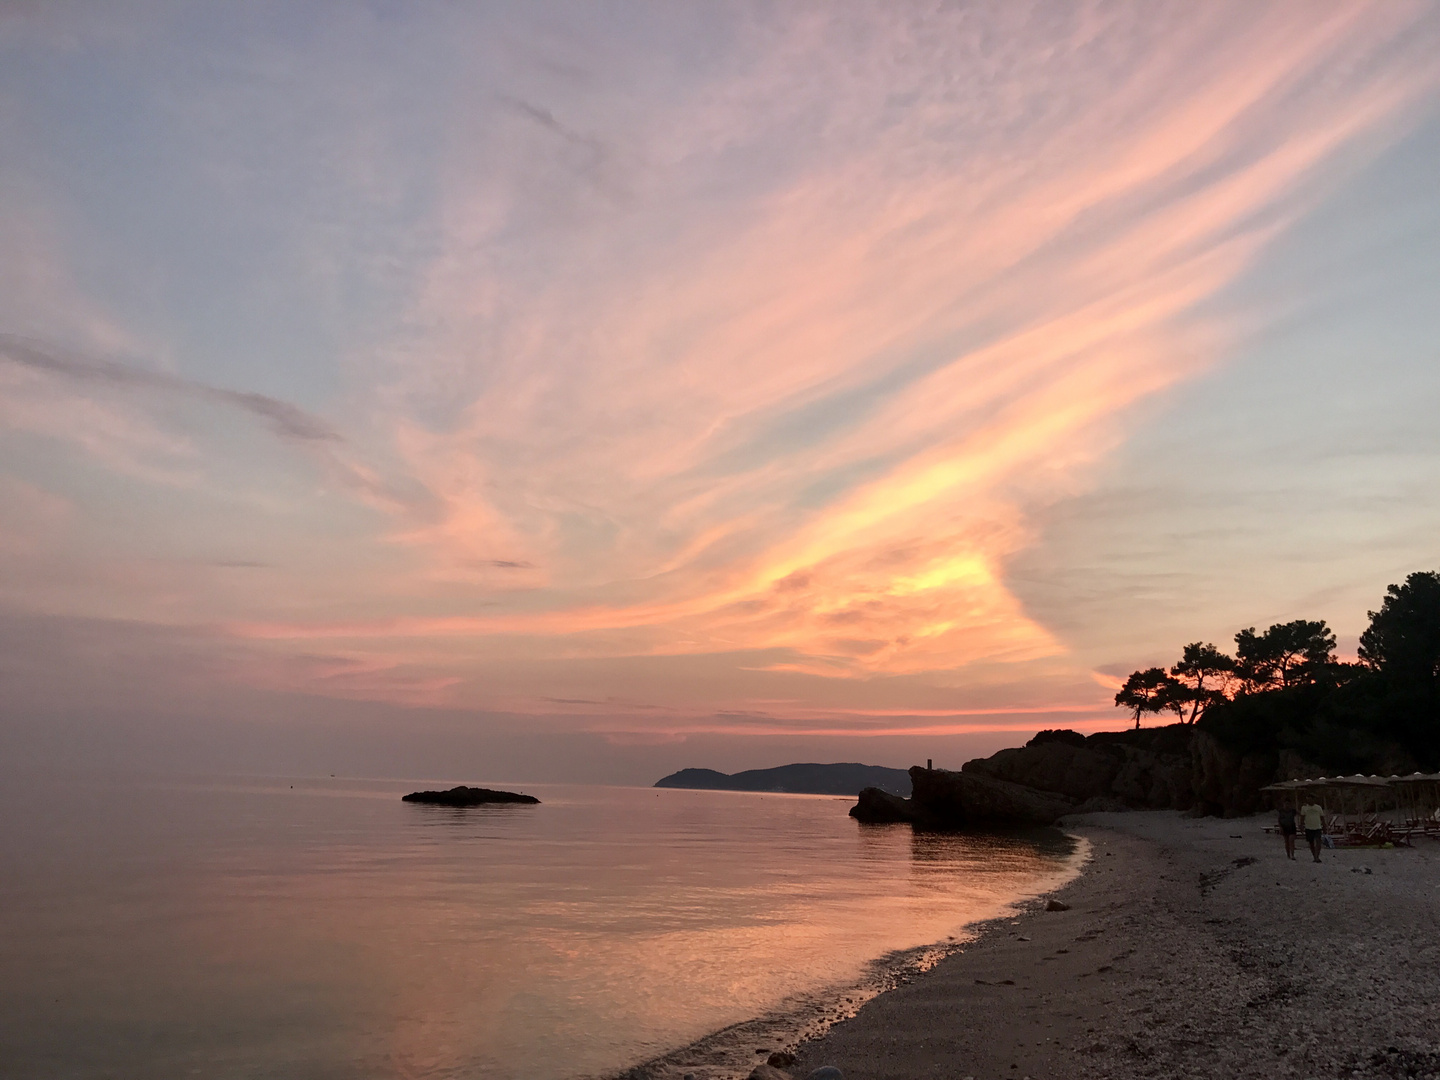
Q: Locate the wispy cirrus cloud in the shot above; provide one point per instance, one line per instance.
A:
(284, 419)
(869, 306)
(126, 437)
(733, 361)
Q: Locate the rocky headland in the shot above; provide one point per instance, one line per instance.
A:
(468, 796)
(1177, 767)
(943, 799)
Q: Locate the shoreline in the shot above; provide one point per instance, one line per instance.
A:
(805, 1019)
(730, 1053)
(1192, 947)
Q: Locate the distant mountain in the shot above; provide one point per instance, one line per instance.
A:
(846, 778)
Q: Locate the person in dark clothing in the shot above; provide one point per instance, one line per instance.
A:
(1288, 829)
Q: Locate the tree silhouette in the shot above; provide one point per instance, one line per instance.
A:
(1402, 642)
(1203, 676)
(1151, 690)
(1286, 655)
(1285, 690)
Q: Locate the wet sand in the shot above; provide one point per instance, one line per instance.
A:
(1193, 948)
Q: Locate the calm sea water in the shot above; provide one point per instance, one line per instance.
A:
(326, 929)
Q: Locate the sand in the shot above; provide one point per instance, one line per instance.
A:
(1180, 957)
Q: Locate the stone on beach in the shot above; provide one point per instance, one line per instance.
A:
(770, 1072)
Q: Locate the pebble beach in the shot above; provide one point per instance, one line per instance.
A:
(1188, 947)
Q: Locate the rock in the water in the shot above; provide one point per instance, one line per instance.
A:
(781, 1060)
(468, 796)
(945, 799)
(878, 807)
(957, 800)
(1056, 905)
(976, 799)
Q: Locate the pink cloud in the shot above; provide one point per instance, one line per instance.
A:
(780, 375)
(610, 440)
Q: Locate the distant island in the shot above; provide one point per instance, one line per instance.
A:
(843, 778)
(468, 796)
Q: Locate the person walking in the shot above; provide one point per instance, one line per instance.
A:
(1312, 816)
(1288, 829)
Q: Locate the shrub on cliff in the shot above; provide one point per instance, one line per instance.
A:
(1057, 735)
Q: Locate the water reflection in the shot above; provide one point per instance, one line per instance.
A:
(329, 929)
(1023, 844)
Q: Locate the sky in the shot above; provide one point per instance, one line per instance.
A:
(582, 391)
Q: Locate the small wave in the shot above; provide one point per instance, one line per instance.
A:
(735, 1050)
(732, 1052)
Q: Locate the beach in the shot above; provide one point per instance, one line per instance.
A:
(1191, 948)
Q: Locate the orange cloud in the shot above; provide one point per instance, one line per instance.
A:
(787, 374)
(817, 422)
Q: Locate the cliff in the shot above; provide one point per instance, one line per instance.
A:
(1147, 769)
(1178, 767)
(945, 799)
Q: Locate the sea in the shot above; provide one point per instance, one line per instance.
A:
(322, 928)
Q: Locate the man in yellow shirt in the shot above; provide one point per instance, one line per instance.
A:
(1312, 816)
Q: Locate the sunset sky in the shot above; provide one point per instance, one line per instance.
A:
(580, 391)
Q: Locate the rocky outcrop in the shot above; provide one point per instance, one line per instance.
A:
(468, 796)
(1149, 769)
(1227, 783)
(953, 800)
(1077, 772)
(877, 807)
(972, 798)
(1177, 767)
(1170, 768)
